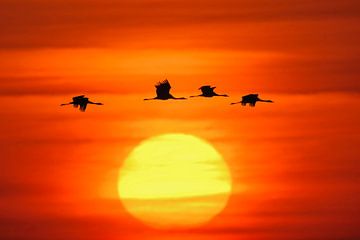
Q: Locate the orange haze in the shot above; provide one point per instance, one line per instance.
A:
(295, 163)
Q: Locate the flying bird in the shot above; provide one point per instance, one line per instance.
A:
(163, 92)
(251, 99)
(208, 91)
(81, 102)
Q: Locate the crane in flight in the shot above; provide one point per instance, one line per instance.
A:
(208, 91)
(163, 92)
(81, 102)
(251, 99)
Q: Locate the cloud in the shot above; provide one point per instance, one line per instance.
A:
(39, 23)
(297, 74)
(62, 228)
(17, 189)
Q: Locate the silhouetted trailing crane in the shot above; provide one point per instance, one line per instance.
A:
(251, 99)
(81, 102)
(208, 91)
(163, 92)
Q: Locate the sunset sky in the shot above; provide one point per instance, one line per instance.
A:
(294, 164)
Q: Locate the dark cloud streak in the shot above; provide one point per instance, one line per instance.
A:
(38, 24)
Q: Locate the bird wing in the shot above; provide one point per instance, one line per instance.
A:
(163, 88)
(250, 97)
(205, 86)
(207, 90)
(83, 106)
(78, 97)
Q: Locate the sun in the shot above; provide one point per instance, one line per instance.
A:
(174, 181)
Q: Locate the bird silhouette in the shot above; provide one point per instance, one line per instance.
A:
(81, 102)
(163, 92)
(251, 99)
(208, 91)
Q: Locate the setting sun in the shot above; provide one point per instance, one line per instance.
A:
(168, 178)
(85, 156)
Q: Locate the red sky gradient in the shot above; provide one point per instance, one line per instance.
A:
(295, 163)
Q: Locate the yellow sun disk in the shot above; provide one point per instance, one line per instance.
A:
(162, 174)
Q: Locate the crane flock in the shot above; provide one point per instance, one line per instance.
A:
(163, 93)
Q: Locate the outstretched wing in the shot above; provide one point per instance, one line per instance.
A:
(163, 88)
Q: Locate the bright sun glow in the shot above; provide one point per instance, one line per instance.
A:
(174, 181)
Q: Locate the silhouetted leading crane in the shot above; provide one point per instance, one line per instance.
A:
(251, 99)
(81, 102)
(208, 91)
(163, 92)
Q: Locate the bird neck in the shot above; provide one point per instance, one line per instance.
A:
(146, 99)
(261, 100)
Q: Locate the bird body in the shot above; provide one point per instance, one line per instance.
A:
(251, 99)
(163, 92)
(208, 91)
(81, 102)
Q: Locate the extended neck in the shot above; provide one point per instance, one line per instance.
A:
(198, 95)
(96, 103)
(64, 104)
(260, 100)
(235, 103)
(146, 99)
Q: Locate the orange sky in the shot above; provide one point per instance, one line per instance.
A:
(294, 163)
